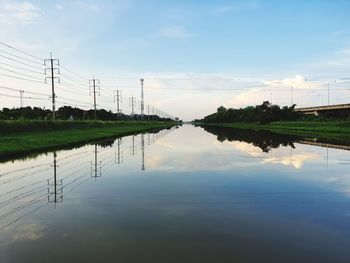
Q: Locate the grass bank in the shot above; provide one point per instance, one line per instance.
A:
(324, 129)
(21, 137)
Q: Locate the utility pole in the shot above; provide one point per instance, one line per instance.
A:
(142, 99)
(21, 97)
(51, 63)
(148, 111)
(118, 99)
(291, 96)
(132, 103)
(94, 84)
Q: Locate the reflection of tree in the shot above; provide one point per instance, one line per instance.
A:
(106, 143)
(265, 140)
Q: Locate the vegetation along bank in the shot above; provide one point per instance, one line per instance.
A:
(20, 137)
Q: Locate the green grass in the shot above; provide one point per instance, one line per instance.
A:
(324, 129)
(18, 138)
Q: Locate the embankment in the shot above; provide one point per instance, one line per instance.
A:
(21, 137)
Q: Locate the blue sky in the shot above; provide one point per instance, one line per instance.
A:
(240, 44)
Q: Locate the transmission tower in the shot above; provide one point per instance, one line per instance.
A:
(132, 104)
(94, 85)
(51, 63)
(118, 99)
(142, 99)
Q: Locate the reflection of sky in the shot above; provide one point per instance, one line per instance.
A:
(194, 189)
(189, 150)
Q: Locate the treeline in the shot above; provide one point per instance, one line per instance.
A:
(70, 113)
(264, 113)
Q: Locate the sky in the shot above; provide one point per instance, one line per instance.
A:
(194, 55)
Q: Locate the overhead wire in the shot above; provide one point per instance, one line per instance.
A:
(20, 78)
(25, 69)
(13, 96)
(19, 57)
(25, 91)
(25, 53)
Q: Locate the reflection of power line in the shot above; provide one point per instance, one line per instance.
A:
(55, 193)
(24, 169)
(25, 205)
(23, 195)
(20, 188)
(23, 176)
(22, 216)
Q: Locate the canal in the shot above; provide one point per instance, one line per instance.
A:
(186, 194)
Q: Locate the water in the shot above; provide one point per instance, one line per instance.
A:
(181, 195)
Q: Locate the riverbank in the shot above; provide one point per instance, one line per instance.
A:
(324, 129)
(21, 137)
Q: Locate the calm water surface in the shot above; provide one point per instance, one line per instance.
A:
(181, 195)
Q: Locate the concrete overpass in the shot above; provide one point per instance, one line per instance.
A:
(338, 108)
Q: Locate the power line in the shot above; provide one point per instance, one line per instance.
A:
(73, 87)
(77, 81)
(76, 74)
(70, 104)
(20, 68)
(30, 92)
(70, 91)
(15, 77)
(13, 96)
(16, 72)
(26, 59)
(25, 53)
(67, 99)
(28, 65)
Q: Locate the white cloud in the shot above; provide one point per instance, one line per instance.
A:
(30, 232)
(235, 7)
(175, 32)
(277, 156)
(94, 8)
(21, 12)
(298, 82)
(58, 6)
(296, 161)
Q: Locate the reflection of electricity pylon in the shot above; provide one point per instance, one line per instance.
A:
(149, 139)
(133, 151)
(55, 189)
(327, 158)
(96, 166)
(119, 154)
(143, 151)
